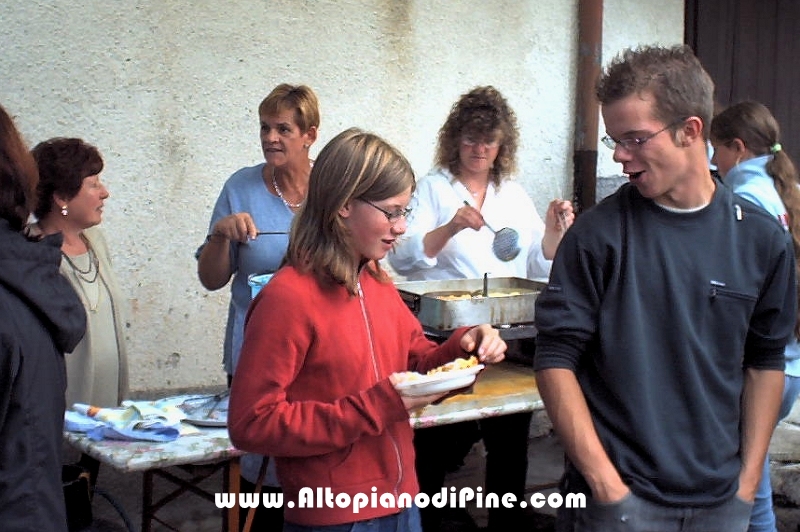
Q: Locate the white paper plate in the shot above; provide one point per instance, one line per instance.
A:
(218, 417)
(444, 381)
(208, 422)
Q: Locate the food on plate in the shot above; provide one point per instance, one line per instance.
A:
(407, 376)
(456, 375)
(457, 364)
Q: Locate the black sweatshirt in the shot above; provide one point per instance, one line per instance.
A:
(658, 313)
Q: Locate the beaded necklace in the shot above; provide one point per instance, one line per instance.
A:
(87, 277)
(280, 194)
(92, 270)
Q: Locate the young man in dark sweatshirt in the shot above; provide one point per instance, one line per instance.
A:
(662, 330)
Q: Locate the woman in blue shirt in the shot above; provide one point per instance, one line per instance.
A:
(248, 232)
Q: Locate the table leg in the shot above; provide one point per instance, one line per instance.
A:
(147, 501)
(231, 484)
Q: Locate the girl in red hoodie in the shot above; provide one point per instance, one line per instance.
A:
(323, 341)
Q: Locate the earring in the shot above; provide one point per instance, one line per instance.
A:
(64, 210)
(305, 146)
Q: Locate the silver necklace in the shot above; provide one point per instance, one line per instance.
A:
(280, 194)
(477, 192)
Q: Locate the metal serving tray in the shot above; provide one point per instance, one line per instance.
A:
(444, 315)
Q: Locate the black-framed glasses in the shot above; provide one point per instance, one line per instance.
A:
(393, 217)
(635, 143)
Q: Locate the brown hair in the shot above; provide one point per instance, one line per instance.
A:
(63, 165)
(354, 164)
(298, 98)
(480, 112)
(18, 175)
(674, 76)
(753, 124)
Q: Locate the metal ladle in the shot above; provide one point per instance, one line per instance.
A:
(505, 245)
(262, 233)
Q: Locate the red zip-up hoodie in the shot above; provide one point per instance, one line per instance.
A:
(311, 389)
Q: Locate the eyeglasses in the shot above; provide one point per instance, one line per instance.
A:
(488, 143)
(635, 143)
(393, 217)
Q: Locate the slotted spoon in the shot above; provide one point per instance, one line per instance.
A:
(505, 245)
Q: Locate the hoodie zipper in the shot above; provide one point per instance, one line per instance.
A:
(375, 373)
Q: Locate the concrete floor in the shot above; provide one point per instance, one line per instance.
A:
(190, 513)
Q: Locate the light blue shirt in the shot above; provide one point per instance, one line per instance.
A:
(750, 180)
(245, 191)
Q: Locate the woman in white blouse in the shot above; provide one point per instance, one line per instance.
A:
(475, 163)
(448, 238)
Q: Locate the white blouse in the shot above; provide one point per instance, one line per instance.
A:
(468, 255)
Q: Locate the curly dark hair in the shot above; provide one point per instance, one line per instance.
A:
(480, 113)
(63, 165)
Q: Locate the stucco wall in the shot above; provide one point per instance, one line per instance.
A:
(169, 90)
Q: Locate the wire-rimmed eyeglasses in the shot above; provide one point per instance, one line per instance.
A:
(489, 143)
(635, 143)
(393, 217)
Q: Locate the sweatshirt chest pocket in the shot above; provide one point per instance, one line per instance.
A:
(724, 293)
(736, 304)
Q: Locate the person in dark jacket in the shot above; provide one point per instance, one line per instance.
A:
(41, 318)
(662, 330)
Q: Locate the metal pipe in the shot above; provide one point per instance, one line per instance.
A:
(590, 46)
